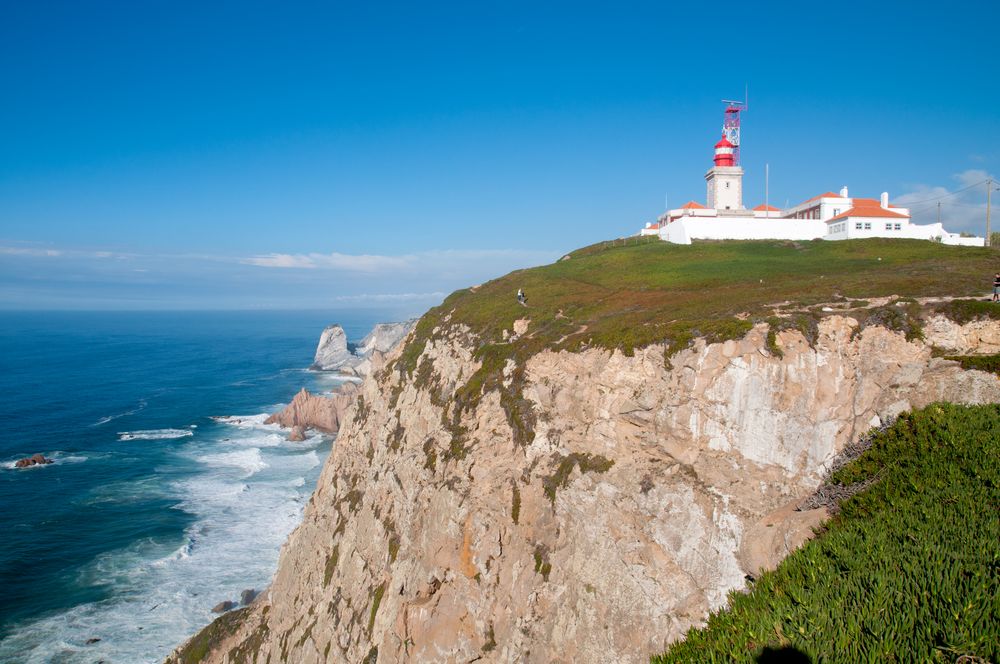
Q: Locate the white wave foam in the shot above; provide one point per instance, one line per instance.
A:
(111, 418)
(245, 495)
(155, 434)
(246, 421)
(12, 465)
(249, 460)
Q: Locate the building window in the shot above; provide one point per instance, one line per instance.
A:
(727, 185)
(836, 211)
(888, 227)
(896, 227)
(857, 225)
(868, 225)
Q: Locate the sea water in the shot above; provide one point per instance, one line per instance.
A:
(168, 494)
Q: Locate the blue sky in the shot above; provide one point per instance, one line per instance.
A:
(307, 155)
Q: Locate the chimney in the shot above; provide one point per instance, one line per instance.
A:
(885, 199)
(843, 192)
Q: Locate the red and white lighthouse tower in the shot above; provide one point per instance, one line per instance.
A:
(724, 152)
(725, 179)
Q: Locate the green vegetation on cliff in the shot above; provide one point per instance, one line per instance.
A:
(909, 570)
(629, 296)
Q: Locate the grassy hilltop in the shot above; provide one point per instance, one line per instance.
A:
(626, 296)
(629, 296)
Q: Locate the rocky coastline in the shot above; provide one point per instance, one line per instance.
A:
(646, 492)
(334, 354)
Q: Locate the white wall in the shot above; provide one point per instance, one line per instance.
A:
(724, 188)
(686, 229)
(958, 240)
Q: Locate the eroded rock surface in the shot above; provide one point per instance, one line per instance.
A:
(645, 495)
(979, 336)
(315, 411)
(334, 353)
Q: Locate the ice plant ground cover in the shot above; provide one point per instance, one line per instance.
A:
(909, 570)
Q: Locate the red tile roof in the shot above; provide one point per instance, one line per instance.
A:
(766, 208)
(692, 205)
(868, 207)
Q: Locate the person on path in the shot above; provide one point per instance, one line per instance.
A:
(996, 286)
(521, 297)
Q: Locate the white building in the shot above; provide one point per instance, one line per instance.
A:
(828, 216)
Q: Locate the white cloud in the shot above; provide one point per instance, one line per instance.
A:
(41, 252)
(962, 207)
(390, 297)
(27, 251)
(445, 260)
(335, 261)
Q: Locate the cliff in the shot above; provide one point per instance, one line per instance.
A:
(543, 486)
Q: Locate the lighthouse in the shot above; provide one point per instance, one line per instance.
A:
(725, 179)
(724, 152)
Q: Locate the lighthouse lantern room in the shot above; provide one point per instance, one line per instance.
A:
(725, 179)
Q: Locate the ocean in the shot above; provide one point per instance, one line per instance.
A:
(168, 494)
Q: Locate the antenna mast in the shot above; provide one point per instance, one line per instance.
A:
(731, 124)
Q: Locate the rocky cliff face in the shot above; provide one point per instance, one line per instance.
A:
(598, 529)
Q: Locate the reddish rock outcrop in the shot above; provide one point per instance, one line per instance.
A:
(33, 460)
(314, 411)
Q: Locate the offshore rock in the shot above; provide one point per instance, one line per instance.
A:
(314, 411)
(334, 353)
(645, 495)
(33, 460)
(384, 337)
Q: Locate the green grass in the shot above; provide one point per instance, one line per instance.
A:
(564, 465)
(376, 601)
(990, 363)
(209, 638)
(628, 297)
(964, 311)
(909, 570)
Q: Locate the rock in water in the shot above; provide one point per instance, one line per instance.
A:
(312, 411)
(33, 460)
(384, 337)
(247, 596)
(222, 607)
(333, 352)
(297, 434)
